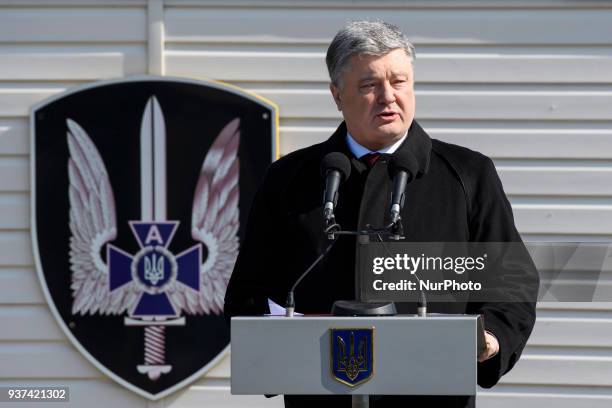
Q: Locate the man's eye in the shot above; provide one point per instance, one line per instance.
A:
(366, 86)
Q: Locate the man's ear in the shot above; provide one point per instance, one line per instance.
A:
(336, 94)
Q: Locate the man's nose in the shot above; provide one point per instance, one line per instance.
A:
(387, 94)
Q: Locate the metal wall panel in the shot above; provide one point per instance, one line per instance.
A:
(528, 83)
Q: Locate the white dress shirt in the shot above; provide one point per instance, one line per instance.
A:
(359, 151)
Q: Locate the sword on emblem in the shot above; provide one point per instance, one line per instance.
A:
(153, 210)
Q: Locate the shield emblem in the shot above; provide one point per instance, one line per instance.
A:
(352, 355)
(140, 191)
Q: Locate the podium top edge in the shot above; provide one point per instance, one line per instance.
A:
(358, 318)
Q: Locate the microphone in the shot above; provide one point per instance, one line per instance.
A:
(336, 168)
(403, 167)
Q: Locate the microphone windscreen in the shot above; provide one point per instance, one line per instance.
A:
(405, 161)
(336, 161)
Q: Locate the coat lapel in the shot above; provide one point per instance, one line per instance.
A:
(376, 183)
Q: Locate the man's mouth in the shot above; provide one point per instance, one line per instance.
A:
(388, 116)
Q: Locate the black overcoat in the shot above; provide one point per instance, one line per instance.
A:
(457, 197)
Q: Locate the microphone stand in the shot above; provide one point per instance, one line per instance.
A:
(358, 307)
(394, 231)
(355, 307)
(333, 232)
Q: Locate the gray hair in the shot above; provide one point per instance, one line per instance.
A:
(364, 37)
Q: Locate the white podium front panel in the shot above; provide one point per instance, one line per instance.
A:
(433, 355)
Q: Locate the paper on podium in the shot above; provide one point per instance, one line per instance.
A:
(278, 310)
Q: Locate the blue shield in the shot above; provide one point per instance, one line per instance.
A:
(352, 356)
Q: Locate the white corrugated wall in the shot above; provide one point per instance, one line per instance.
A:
(527, 82)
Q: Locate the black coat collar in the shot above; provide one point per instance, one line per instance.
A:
(418, 143)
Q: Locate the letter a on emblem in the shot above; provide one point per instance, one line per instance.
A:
(154, 235)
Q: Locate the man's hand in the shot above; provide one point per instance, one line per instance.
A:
(491, 349)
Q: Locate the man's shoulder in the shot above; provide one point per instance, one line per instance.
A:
(300, 156)
(299, 162)
(313, 154)
(456, 152)
(475, 171)
(469, 163)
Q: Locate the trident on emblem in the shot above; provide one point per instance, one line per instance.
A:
(351, 363)
(154, 269)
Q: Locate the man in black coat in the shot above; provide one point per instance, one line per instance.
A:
(456, 197)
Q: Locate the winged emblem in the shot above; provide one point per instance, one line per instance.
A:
(153, 286)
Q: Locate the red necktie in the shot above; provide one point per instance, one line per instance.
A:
(370, 159)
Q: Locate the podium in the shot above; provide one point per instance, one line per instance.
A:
(410, 355)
